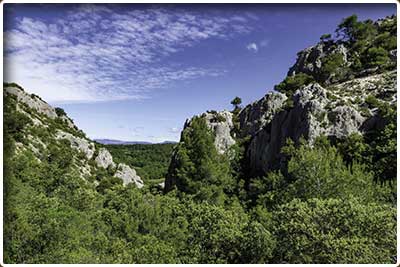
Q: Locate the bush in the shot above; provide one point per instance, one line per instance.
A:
(376, 57)
(292, 83)
(372, 101)
(332, 65)
(335, 231)
(199, 170)
(60, 112)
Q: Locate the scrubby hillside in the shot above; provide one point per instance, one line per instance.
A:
(306, 174)
(48, 135)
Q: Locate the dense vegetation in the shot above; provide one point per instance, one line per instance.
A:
(150, 161)
(333, 202)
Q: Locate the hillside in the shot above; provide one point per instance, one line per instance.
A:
(306, 174)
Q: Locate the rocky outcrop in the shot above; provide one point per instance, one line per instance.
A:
(310, 61)
(221, 124)
(32, 101)
(79, 143)
(128, 175)
(104, 159)
(314, 113)
(258, 114)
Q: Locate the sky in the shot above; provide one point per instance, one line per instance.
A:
(136, 72)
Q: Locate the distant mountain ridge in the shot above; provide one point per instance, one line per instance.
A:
(120, 142)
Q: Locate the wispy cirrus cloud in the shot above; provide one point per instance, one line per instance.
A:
(103, 53)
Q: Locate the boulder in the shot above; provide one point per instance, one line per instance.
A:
(128, 175)
(104, 159)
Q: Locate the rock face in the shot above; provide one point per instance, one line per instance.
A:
(104, 159)
(32, 101)
(310, 60)
(221, 124)
(258, 114)
(79, 143)
(128, 175)
(334, 112)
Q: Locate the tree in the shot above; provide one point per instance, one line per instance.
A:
(60, 112)
(236, 101)
(199, 170)
(347, 28)
(236, 104)
(326, 37)
(332, 65)
(383, 144)
(334, 231)
(315, 172)
(376, 57)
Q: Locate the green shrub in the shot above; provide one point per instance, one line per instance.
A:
(291, 83)
(376, 57)
(372, 101)
(335, 231)
(332, 65)
(60, 112)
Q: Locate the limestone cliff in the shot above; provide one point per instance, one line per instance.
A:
(334, 82)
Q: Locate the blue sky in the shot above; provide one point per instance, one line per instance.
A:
(137, 72)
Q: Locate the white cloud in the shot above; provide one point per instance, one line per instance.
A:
(97, 53)
(264, 42)
(252, 47)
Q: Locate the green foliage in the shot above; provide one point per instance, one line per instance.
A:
(12, 85)
(383, 144)
(200, 170)
(150, 161)
(220, 118)
(236, 102)
(16, 122)
(60, 112)
(107, 183)
(371, 101)
(376, 57)
(354, 148)
(386, 41)
(332, 202)
(325, 37)
(333, 64)
(351, 30)
(335, 231)
(377, 149)
(317, 172)
(291, 83)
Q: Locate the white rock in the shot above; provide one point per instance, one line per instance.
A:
(104, 159)
(32, 102)
(81, 144)
(128, 175)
